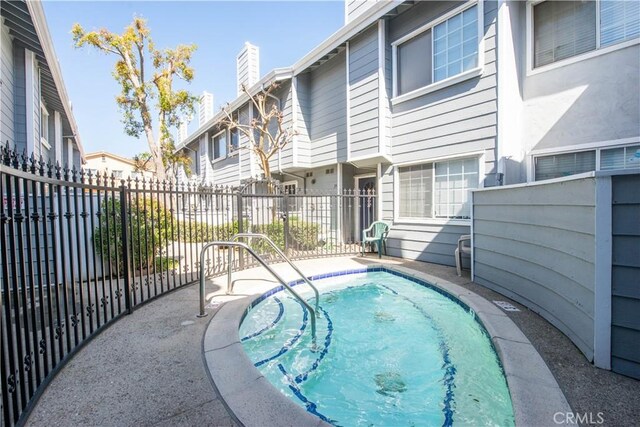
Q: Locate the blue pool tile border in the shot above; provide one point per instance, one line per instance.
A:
(450, 370)
(368, 269)
(269, 326)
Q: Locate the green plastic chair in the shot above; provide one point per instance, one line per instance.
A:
(378, 231)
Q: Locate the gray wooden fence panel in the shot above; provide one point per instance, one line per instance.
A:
(625, 275)
(536, 244)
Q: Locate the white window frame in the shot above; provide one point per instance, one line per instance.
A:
(465, 75)
(44, 113)
(213, 147)
(231, 151)
(397, 219)
(594, 146)
(572, 60)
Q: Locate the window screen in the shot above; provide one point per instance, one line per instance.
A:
(559, 165)
(218, 147)
(454, 180)
(563, 29)
(619, 21)
(620, 158)
(414, 63)
(416, 183)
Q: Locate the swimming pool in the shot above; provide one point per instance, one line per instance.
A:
(391, 351)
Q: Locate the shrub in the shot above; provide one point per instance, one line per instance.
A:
(203, 232)
(302, 235)
(147, 232)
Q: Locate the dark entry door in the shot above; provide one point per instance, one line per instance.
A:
(367, 202)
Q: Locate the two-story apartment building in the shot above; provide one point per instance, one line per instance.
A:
(35, 112)
(425, 101)
(103, 162)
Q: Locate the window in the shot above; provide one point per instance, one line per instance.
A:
(413, 55)
(438, 190)
(437, 52)
(116, 173)
(416, 188)
(235, 139)
(620, 158)
(234, 135)
(559, 165)
(218, 146)
(453, 181)
(291, 188)
(44, 126)
(619, 21)
(566, 164)
(563, 29)
(455, 45)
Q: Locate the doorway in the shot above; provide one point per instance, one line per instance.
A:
(366, 201)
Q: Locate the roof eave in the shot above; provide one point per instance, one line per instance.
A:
(349, 30)
(40, 24)
(275, 75)
(345, 33)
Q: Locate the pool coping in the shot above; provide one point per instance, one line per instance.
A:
(534, 391)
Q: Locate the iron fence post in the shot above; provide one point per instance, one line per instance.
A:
(285, 219)
(240, 229)
(125, 248)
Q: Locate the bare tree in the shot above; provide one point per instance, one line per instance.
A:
(266, 134)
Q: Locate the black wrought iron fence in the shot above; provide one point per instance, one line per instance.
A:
(80, 250)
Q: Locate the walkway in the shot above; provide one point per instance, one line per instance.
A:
(147, 369)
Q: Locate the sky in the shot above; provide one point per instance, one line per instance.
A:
(283, 30)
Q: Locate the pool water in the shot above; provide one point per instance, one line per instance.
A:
(389, 352)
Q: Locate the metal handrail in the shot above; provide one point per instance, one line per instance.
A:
(279, 252)
(229, 285)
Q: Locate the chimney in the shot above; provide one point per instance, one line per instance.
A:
(248, 66)
(205, 108)
(182, 130)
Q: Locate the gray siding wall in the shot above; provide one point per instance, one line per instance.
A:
(19, 99)
(364, 93)
(284, 158)
(388, 93)
(206, 170)
(6, 93)
(536, 245)
(327, 107)
(356, 7)
(244, 156)
(625, 299)
(303, 123)
(226, 172)
(455, 120)
(39, 149)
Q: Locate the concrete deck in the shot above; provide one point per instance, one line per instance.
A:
(148, 368)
